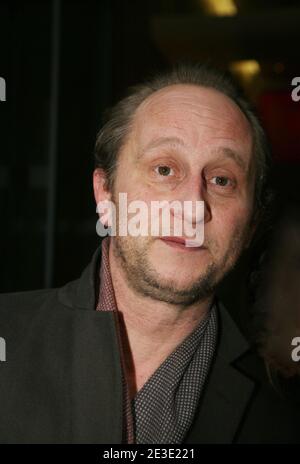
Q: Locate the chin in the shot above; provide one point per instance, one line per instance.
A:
(177, 278)
(170, 262)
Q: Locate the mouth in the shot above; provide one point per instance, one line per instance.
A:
(182, 243)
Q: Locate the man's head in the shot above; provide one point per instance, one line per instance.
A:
(186, 135)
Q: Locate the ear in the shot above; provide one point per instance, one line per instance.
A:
(99, 183)
(102, 197)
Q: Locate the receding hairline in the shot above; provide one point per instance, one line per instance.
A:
(188, 86)
(142, 106)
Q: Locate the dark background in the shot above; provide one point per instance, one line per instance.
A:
(64, 62)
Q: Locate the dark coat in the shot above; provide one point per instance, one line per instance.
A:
(61, 381)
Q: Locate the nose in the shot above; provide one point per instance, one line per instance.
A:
(197, 207)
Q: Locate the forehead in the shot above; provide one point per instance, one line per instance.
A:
(198, 115)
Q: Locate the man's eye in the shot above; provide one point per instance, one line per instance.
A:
(163, 170)
(221, 181)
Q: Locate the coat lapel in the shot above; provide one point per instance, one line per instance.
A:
(228, 391)
(96, 378)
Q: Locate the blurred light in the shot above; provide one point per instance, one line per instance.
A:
(245, 69)
(219, 7)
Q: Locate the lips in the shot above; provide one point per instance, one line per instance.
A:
(174, 239)
(181, 242)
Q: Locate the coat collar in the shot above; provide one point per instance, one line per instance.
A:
(83, 292)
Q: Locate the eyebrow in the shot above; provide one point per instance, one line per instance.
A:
(161, 141)
(223, 151)
(232, 154)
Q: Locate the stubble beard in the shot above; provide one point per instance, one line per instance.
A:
(133, 256)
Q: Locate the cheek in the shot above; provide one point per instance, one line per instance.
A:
(227, 220)
(128, 179)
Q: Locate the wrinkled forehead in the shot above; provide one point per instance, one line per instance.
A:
(180, 104)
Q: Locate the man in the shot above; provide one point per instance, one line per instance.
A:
(139, 349)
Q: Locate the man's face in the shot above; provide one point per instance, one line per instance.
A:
(187, 143)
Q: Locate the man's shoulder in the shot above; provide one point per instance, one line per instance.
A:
(240, 393)
(26, 313)
(75, 293)
(22, 307)
(246, 358)
(22, 300)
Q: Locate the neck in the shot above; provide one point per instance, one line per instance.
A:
(150, 329)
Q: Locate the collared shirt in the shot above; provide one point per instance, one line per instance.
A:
(163, 410)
